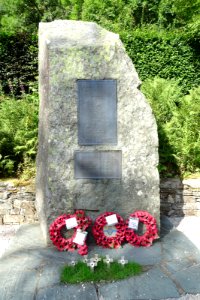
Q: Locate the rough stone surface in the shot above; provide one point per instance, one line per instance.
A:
(180, 198)
(143, 287)
(186, 297)
(84, 292)
(15, 219)
(17, 204)
(71, 50)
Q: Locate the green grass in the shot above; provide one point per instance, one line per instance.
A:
(82, 273)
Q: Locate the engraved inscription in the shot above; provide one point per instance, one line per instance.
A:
(97, 112)
(98, 164)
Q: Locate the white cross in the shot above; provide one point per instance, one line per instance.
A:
(108, 260)
(96, 258)
(73, 263)
(92, 264)
(122, 261)
(85, 258)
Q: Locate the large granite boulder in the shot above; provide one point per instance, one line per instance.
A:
(71, 51)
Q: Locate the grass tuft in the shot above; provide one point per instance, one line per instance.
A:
(82, 273)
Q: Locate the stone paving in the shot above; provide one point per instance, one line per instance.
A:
(30, 271)
(6, 234)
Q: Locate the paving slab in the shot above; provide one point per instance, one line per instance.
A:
(49, 275)
(186, 297)
(189, 279)
(176, 245)
(30, 270)
(153, 284)
(179, 265)
(28, 236)
(68, 292)
(187, 225)
(19, 295)
(6, 234)
(18, 285)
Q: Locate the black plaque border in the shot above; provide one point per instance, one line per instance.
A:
(98, 178)
(115, 142)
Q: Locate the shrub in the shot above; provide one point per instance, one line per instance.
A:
(163, 54)
(164, 97)
(178, 120)
(18, 62)
(184, 134)
(18, 132)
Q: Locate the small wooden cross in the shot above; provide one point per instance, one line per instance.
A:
(108, 260)
(96, 258)
(92, 264)
(85, 259)
(73, 263)
(122, 261)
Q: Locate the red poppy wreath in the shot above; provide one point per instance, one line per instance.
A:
(150, 234)
(106, 234)
(81, 222)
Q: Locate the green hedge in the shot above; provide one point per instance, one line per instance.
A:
(18, 62)
(169, 55)
(154, 53)
(164, 54)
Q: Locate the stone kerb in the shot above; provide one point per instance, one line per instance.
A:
(74, 50)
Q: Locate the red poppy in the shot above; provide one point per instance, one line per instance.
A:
(62, 243)
(106, 241)
(150, 234)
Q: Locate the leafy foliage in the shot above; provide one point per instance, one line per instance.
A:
(18, 63)
(161, 36)
(18, 132)
(24, 15)
(184, 134)
(163, 54)
(178, 119)
(177, 13)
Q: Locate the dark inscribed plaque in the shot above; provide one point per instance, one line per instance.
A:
(97, 112)
(98, 164)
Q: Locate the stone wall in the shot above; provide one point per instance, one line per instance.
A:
(180, 198)
(17, 204)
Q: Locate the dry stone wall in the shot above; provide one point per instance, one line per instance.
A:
(178, 198)
(17, 204)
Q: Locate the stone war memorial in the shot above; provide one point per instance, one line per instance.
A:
(98, 144)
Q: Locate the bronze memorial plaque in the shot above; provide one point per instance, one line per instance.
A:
(98, 164)
(97, 112)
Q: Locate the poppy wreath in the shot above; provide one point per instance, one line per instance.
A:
(67, 244)
(103, 240)
(150, 234)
